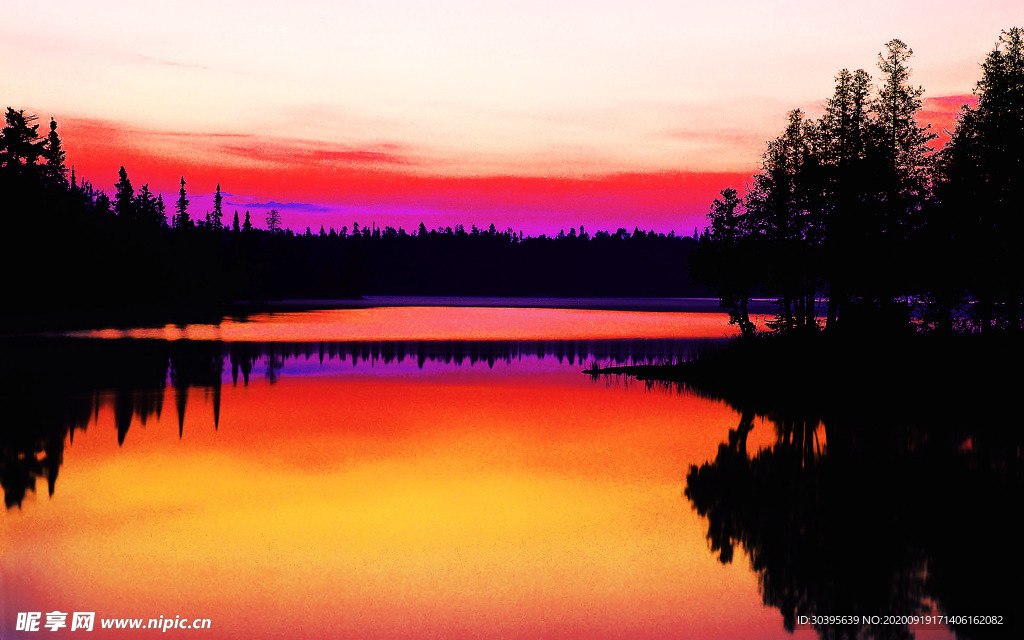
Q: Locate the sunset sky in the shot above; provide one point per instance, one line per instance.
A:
(531, 115)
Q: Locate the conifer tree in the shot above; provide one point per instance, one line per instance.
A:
(161, 211)
(273, 221)
(54, 158)
(20, 146)
(146, 206)
(902, 141)
(234, 223)
(124, 196)
(849, 186)
(181, 219)
(214, 219)
(247, 225)
(982, 187)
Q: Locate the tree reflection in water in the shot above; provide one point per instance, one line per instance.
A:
(874, 512)
(52, 387)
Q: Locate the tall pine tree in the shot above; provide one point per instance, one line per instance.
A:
(124, 197)
(181, 219)
(54, 157)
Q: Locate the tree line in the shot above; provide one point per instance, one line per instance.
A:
(69, 247)
(856, 217)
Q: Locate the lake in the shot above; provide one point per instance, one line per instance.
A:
(388, 472)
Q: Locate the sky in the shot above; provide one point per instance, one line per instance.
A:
(534, 116)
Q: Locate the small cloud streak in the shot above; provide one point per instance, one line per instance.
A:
(288, 152)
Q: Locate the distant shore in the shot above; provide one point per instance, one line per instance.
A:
(690, 305)
(28, 322)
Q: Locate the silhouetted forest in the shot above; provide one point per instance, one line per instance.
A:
(69, 248)
(857, 218)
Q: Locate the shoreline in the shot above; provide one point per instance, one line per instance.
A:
(14, 324)
(823, 374)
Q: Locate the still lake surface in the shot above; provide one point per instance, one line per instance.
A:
(393, 472)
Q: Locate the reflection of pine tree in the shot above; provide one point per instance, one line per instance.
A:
(275, 362)
(826, 537)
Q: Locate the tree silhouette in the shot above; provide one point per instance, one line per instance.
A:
(837, 208)
(981, 188)
(20, 146)
(124, 197)
(273, 221)
(726, 259)
(181, 219)
(147, 207)
(54, 157)
(161, 211)
(847, 151)
(214, 219)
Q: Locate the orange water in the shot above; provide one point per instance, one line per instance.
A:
(519, 501)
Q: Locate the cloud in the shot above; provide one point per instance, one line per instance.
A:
(98, 147)
(718, 137)
(306, 152)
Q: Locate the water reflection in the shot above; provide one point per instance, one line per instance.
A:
(52, 388)
(874, 511)
(362, 500)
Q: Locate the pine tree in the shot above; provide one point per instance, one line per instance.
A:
(234, 223)
(904, 168)
(982, 187)
(273, 221)
(146, 206)
(54, 158)
(20, 146)
(850, 187)
(181, 219)
(214, 219)
(161, 211)
(247, 225)
(124, 197)
(902, 141)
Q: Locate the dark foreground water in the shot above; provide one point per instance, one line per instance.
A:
(417, 473)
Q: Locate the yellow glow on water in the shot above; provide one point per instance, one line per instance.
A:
(540, 507)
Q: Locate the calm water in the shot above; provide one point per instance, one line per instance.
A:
(377, 473)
